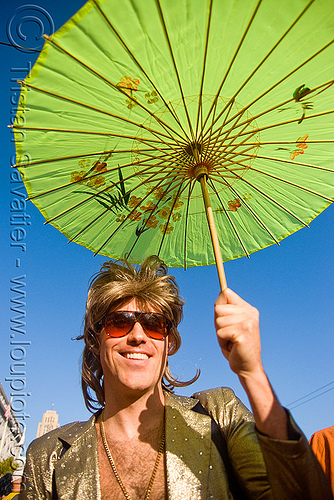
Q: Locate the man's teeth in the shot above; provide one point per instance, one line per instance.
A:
(136, 355)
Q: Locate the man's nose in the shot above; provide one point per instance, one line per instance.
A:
(137, 333)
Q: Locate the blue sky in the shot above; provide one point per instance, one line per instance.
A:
(291, 285)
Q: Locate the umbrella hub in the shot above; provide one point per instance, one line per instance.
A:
(201, 169)
(195, 149)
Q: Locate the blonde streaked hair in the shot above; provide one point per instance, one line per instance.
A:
(115, 285)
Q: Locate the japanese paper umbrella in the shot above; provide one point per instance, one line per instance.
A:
(136, 111)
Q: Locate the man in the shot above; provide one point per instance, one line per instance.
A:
(149, 443)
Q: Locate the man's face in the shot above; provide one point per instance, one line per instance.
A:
(135, 363)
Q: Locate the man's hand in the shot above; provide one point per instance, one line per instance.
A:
(237, 326)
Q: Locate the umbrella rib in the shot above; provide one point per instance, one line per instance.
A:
(73, 157)
(207, 141)
(265, 58)
(251, 210)
(286, 122)
(170, 155)
(264, 143)
(227, 152)
(229, 219)
(169, 146)
(225, 135)
(191, 187)
(282, 79)
(269, 198)
(175, 158)
(229, 160)
(172, 112)
(115, 87)
(167, 223)
(273, 108)
(133, 210)
(290, 183)
(213, 105)
(175, 67)
(199, 111)
(292, 162)
(99, 110)
(111, 134)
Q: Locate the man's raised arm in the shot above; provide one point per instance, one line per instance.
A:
(237, 326)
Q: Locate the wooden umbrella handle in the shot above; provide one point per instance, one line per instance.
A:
(213, 233)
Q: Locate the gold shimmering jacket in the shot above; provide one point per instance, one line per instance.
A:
(64, 463)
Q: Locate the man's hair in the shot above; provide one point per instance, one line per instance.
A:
(115, 285)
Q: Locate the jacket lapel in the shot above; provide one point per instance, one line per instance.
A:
(188, 446)
(76, 472)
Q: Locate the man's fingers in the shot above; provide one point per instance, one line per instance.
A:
(229, 297)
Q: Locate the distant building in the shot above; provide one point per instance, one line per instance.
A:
(49, 422)
(11, 435)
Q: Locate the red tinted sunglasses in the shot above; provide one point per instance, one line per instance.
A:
(119, 323)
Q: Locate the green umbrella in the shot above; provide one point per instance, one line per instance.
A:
(137, 110)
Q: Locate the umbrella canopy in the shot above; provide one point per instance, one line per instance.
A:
(130, 104)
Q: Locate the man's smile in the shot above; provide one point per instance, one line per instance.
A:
(135, 355)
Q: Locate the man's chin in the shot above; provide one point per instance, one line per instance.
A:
(140, 388)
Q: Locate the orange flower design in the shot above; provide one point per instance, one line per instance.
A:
(301, 142)
(159, 194)
(99, 167)
(296, 153)
(99, 181)
(131, 103)
(246, 196)
(152, 222)
(120, 218)
(166, 228)
(234, 204)
(301, 145)
(149, 207)
(176, 217)
(128, 84)
(151, 97)
(164, 213)
(134, 201)
(84, 163)
(178, 204)
(78, 176)
(96, 182)
(135, 215)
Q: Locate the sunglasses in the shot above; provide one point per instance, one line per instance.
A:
(119, 323)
